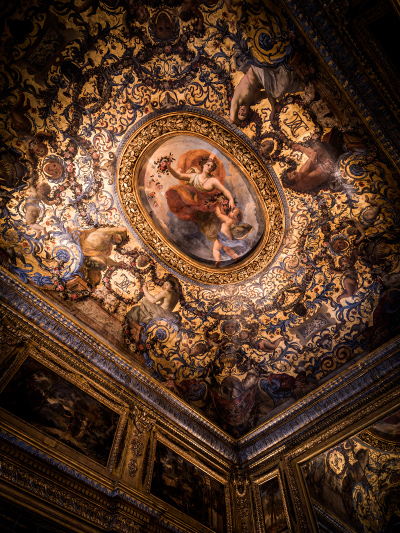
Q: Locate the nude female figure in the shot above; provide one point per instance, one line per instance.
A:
(160, 305)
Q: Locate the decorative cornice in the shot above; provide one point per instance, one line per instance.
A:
(362, 381)
(50, 486)
(51, 492)
(57, 326)
(357, 385)
(343, 421)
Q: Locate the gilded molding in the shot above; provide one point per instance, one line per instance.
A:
(295, 495)
(386, 446)
(297, 456)
(10, 335)
(49, 359)
(257, 174)
(355, 386)
(51, 492)
(345, 421)
(125, 525)
(223, 479)
(83, 489)
(56, 328)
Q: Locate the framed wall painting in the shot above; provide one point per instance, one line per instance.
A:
(188, 486)
(41, 395)
(271, 509)
(354, 485)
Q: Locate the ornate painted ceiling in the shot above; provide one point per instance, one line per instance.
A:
(188, 182)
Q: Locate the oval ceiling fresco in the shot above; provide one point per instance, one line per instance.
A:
(200, 198)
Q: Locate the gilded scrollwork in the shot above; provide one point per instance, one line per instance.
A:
(257, 174)
(11, 335)
(124, 525)
(381, 444)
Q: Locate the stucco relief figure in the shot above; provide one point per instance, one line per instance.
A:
(314, 172)
(259, 83)
(97, 245)
(151, 307)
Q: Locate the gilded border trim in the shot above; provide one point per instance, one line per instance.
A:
(181, 122)
(41, 318)
(347, 427)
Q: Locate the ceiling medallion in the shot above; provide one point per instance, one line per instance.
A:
(200, 198)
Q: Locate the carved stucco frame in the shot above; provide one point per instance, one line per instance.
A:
(251, 165)
(29, 433)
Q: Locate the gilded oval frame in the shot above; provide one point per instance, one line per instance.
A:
(250, 165)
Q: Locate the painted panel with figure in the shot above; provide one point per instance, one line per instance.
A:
(357, 482)
(189, 489)
(198, 198)
(52, 404)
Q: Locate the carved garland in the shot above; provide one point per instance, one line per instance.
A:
(229, 142)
